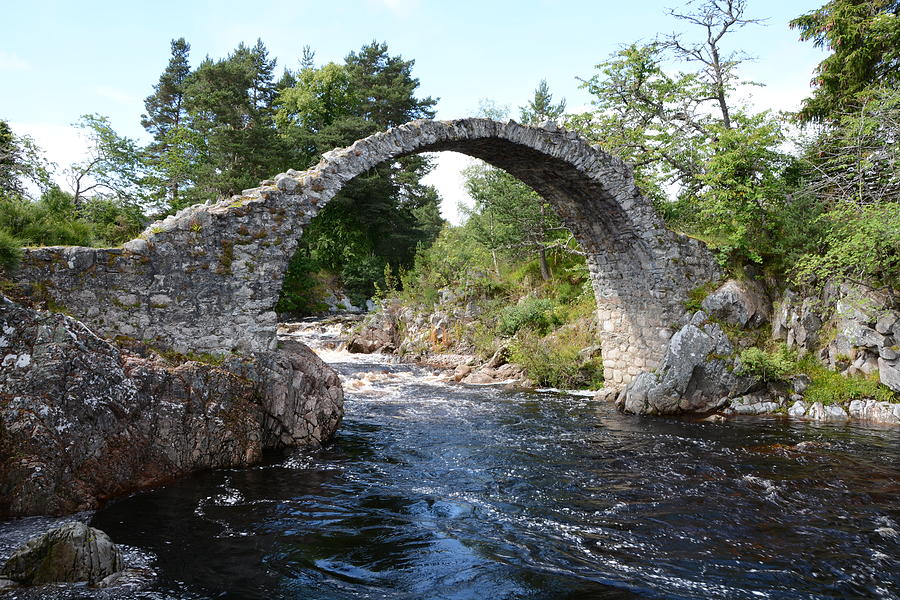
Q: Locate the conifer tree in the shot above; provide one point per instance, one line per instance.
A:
(170, 152)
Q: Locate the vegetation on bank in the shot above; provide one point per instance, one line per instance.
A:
(778, 364)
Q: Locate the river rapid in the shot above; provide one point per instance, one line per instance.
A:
(437, 490)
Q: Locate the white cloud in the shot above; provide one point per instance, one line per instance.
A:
(10, 61)
(448, 179)
(61, 144)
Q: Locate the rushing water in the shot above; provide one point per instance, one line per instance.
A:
(436, 490)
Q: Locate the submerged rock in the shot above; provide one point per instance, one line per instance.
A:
(73, 552)
(82, 421)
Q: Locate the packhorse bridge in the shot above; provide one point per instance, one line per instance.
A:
(206, 279)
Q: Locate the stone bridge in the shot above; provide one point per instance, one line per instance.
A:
(206, 280)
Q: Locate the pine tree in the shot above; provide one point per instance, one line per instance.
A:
(864, 39)
(541, 108)
(169, 152)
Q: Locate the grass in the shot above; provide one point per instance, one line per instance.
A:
(830, 387)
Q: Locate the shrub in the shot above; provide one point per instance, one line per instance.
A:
(10, 252)
(534, 313)
(554, 361)
(769, 366)
(830, 387)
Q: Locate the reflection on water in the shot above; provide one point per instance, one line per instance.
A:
(432, 490)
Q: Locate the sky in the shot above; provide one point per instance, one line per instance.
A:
(62, 59)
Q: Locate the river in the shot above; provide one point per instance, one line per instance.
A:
(435, 490)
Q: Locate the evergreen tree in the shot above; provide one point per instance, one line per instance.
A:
(380, 217)
(171, 152)
(508, 216)
(230, 106)
(541, 108)
(864, 39)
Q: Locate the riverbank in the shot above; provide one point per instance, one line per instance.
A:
(821, 358)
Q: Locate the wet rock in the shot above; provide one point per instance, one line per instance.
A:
(73, 552)
(696, 374)
(460, 372)
(797, 409)
(875, 411)
(714, 419)
(741, 303)
(820, 412)
(810, 445)
(378, 334)
(752, 405)
(606, 394)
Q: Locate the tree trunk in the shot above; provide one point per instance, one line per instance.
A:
(545, 268)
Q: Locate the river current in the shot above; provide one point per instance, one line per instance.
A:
(434, 490)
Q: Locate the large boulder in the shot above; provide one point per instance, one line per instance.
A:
(379, 332)
(696, 374)
(72, 552)
(82, 421)
(741, 303)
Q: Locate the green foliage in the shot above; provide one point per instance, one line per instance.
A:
(697, 295)
(744, 190)
(862, 243)
(830, 387)
(114, 165)
(454, 260)
(863, 37)
(50, 221)
(554, 361)
(536, 314)
(541, 107)
(10, 252)
(768, 366)
(21, 163)
(852, 172)
(381, 217)
(302, 292)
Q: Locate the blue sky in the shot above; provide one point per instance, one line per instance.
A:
(62, 59)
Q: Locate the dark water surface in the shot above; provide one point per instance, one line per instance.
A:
(433, 490)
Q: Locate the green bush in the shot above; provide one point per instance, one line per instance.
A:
(302, 292)
(769, 366)
(554, 361)
(10, 252)
(536, 314)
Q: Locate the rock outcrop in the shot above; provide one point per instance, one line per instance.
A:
(82, 421)
(696, 374)
(72, 552)
(379, 333)
(863, 331)
(740, 303)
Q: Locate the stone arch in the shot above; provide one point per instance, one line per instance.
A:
(206, 279)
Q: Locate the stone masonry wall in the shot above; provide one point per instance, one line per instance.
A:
(206, 280)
